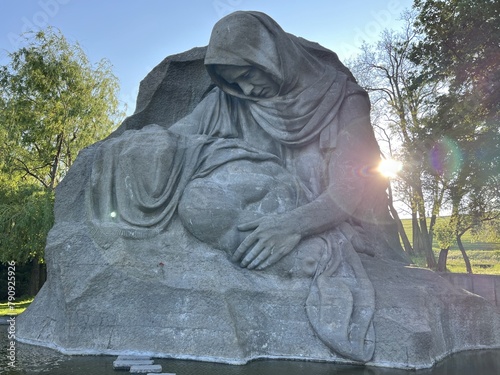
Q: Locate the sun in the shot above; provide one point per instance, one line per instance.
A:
(390, 168)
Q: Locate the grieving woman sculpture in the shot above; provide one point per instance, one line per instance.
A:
(276, 166)
(238, 215)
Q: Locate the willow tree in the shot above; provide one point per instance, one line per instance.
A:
(53, 103)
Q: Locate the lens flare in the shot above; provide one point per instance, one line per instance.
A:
(390, 168)
(446, 158)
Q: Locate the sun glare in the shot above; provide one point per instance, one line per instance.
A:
(390, 168)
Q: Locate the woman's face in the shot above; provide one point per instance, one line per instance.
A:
(252, 81)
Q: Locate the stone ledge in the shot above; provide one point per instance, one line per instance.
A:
(486, 286)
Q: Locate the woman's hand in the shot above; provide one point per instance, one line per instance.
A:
(272, 238)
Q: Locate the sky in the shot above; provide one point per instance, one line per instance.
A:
(136, 35)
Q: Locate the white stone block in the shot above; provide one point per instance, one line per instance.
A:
(133, 358)
(145, 369)
(127, 364)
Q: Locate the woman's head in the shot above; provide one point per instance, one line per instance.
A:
(251, 81)
(254, 42)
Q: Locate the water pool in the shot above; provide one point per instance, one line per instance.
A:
(37, 360)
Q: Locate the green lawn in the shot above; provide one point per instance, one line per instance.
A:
(18, 308)
(484, 256)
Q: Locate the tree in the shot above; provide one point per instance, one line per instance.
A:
(460, 43)
(53, 103)
(445, 237)
(396, 85)
(26, 216)
(438, 84)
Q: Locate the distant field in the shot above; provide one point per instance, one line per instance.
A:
(484, 256)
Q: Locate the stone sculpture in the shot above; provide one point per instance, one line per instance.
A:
(246, 222)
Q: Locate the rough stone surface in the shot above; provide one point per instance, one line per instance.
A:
(174, 296)
(179, 78)
(218, 312)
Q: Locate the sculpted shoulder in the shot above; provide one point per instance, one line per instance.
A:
(356, 106)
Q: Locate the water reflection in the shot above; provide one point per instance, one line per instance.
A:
(37, 360)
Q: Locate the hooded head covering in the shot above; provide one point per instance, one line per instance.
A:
(310, 90)
(255, 39)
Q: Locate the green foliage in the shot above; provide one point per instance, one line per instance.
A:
(461, 44)
(26, 216)
(444, 234)
(450, 139)
(54, 102)
(488, 231)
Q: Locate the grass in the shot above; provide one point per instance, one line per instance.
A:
(484, 256)
(17, 308)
